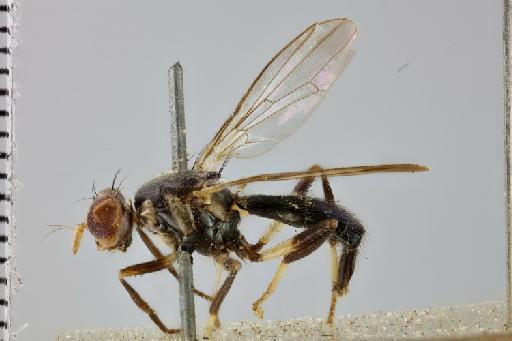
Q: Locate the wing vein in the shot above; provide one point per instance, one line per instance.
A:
(283, 95)
(294, 68)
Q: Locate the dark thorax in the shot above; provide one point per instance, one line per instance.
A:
(166, 207)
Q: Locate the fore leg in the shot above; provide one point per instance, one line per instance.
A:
(141, 269)
(292, 250)
(232, 266)
(158, 254)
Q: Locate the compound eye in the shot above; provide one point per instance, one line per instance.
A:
(108, 220)
(104, 218)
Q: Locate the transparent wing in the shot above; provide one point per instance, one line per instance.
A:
(283, 95)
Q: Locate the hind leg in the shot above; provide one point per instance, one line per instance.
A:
(335, 265)
(304, 244)
(292, 250)
(300, 246)
(343, 268)
(300, 188)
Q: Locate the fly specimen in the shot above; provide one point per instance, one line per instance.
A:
(197, 211)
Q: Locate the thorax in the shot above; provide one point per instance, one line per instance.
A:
(165, 206)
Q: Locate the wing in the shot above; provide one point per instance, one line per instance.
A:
(283, 95)
(341, 171)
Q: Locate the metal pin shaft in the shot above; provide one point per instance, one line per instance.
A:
(179, 163)
(507, 36)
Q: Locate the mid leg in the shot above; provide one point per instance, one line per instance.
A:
(141, 269)
(232, 266)
(269, 234)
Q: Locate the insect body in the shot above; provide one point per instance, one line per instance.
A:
(197, 211)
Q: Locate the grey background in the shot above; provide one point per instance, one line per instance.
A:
(425, 86)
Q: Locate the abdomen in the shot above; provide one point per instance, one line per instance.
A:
(304, 212)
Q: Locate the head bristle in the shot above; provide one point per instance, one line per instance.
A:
(94, 194)
(115, 177)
